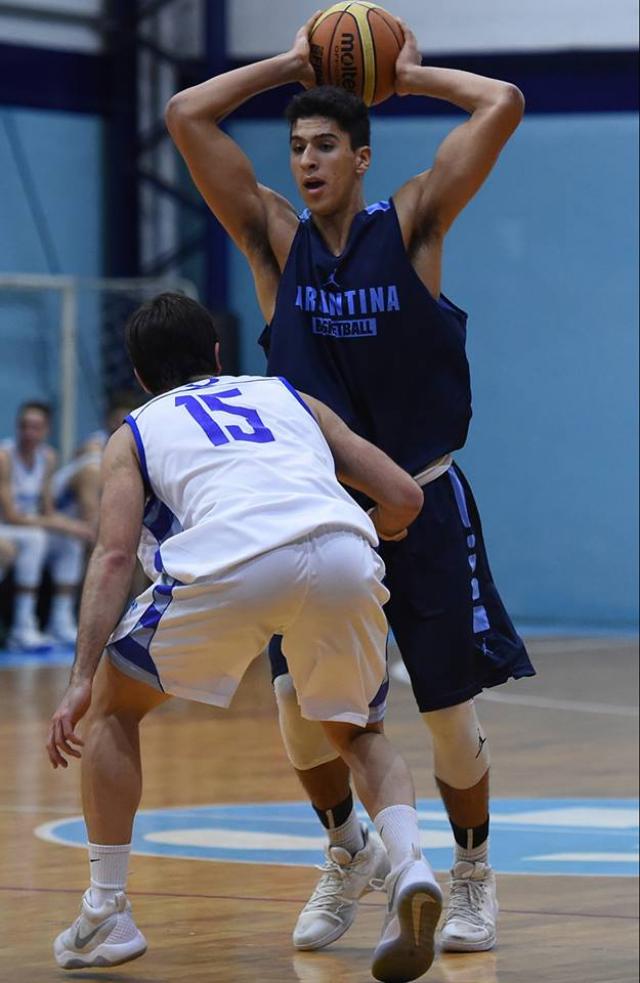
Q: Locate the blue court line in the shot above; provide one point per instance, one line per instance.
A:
(552, 629)
(570, 837)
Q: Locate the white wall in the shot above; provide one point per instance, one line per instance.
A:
(257, 27)
(66, 25)
(263, 27)
(37, 25)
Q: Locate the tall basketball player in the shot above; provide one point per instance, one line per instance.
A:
(356, 316)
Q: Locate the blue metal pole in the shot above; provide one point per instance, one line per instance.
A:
(217, 257)
(122, 202)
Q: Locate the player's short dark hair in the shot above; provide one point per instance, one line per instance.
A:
(348, 111)
(171, 339)
(35, 404)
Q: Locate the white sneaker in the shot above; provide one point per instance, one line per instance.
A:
(470, 920)
(105, 936)
(407, 944)
(332, 907)
(29, 639)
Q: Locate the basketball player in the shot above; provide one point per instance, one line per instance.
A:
(356, 317)
(40, 534)
(267, 541)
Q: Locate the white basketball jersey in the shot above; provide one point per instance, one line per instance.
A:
(27, 484)
(236, 466)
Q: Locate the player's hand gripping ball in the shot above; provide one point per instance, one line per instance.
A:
(355, 45)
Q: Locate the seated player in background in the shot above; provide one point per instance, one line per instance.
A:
(40, 534)
(352, 298)
(267, 541)
(75, 490)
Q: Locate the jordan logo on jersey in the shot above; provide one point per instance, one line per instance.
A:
(347, 312)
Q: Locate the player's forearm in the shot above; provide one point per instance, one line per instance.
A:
(463, 89)
(213, 100)
(104, 596)
(397, 496)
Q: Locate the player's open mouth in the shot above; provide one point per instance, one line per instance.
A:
(313, 184)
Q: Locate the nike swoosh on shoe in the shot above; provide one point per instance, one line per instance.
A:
(80, 942)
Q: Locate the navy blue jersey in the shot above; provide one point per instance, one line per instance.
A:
(362, 333)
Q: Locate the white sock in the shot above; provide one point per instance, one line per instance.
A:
(62, 610)
(24, 609)
(108, 870)
(398, 829)
(478, 854)
(349, 836)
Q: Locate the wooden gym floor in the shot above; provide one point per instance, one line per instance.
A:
(569, 733)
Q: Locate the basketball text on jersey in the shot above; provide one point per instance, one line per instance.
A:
(330, 308)
(339, 308)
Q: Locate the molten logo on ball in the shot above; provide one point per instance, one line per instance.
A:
(355, 45)
(347, 63)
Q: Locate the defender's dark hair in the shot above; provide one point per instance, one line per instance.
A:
(35, 404)
(347, 110)
(170, 339)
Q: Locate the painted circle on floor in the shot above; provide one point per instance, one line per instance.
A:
(595, 837)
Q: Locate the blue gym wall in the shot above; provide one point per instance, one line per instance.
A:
(545, 261)
(51, 221)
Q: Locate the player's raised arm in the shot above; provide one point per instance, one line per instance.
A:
(367, 469)
(429, 203)
(220, 169)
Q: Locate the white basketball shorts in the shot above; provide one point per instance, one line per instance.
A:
(323, 594)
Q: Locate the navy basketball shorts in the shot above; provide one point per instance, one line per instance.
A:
(452, 629)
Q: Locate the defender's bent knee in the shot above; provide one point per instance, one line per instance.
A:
(305, 741)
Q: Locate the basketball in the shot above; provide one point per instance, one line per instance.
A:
(355, 45)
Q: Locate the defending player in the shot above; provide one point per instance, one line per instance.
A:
(356, 317)
(264, 539)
